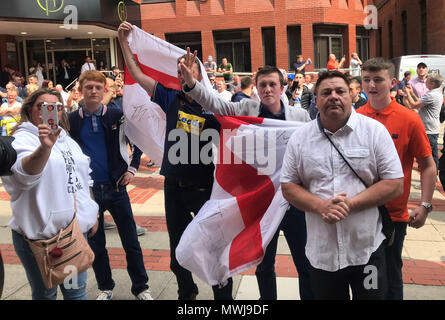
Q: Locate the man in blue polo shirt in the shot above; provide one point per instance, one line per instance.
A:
(99, 132)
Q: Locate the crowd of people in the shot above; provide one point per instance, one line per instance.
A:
(366, 128)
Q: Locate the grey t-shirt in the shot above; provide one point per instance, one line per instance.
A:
(430, 113)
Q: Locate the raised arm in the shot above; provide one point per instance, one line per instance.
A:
(145, 81)
(412, 99)
(208, 99)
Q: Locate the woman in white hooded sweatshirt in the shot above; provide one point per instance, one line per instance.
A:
(49, 170)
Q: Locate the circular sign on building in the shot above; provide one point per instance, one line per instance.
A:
(50, 6)
(122, 11)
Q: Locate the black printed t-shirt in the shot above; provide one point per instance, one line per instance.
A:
(185, 162)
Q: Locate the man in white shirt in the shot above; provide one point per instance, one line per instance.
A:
(88, 65)
(10, 112)
(65, 95)
(345, 242)
(355, 65)
(222, 92)
(429, 106)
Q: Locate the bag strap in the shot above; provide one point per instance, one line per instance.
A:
(344, 159)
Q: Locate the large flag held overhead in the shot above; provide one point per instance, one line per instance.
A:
(145, 120)
(231, 232)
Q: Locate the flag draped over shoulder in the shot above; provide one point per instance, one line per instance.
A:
(231, 232)
(145, 120)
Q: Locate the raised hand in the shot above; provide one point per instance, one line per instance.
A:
(186, 68)
(124, 30)
(46, 137)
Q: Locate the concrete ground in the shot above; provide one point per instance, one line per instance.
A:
(423, 252)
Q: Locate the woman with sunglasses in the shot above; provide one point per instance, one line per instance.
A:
(51, 172)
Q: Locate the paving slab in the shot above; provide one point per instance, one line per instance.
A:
(150, 240)
(287, 289)
(426, 233)
(425, 250)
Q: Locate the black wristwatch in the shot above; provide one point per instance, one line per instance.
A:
(427, 206)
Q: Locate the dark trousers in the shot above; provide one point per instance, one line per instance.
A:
(394, 262)
(433, 143)
(294, 229)
(367, 283)
(180, 201)
(118, 204)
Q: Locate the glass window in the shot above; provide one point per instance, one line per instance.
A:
(269, 51)
(327, 39)
(235, 46)
(390, 40)
(35, 50)
(362, 43)
(293, 44)
(405, 33)
(186, 39)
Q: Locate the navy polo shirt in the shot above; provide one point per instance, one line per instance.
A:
(92, 136)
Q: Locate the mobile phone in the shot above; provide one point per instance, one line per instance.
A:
(50, 115)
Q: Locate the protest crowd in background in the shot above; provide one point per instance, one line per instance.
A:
(332, 220)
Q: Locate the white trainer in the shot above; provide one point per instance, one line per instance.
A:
(105, 295)
(144, 295)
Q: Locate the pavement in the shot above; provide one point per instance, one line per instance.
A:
(423, 252)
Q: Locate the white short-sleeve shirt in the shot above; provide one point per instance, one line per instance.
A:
(312, 162)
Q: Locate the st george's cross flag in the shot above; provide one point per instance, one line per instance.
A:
(232, 230)
(145, 120)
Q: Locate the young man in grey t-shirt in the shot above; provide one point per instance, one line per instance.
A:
(429, 109)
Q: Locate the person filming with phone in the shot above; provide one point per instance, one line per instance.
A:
(49, 190)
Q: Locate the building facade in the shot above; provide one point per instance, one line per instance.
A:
(408, 27)
(45, 32)
(254, 33)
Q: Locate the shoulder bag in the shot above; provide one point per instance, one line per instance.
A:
(388, 226)
(68, 248)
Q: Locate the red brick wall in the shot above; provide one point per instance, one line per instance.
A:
(187, 16)
(393, 9)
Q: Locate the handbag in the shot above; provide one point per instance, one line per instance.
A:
(388, 228)
(68, 248)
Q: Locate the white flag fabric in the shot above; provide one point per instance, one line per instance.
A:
(145, 120)
(232, 230)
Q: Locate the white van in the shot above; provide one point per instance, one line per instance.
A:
(434, 62)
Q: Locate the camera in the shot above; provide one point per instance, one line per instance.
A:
(8, 156)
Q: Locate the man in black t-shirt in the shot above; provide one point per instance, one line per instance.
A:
(188, 179)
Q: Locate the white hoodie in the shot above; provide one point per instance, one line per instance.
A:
(43, 204)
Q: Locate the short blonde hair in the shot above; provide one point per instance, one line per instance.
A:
(92, 75)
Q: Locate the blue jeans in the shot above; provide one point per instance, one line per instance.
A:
(118, 204)
(433, 143)
(294, 229)
(180, 201)
(394, 262)
(38, 289)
